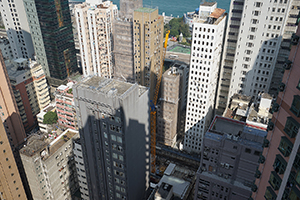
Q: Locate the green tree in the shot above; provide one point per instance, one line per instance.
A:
(50, 118)
(177, 26)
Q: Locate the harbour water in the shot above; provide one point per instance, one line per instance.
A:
(178, 7)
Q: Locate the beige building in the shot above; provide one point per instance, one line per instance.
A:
(94, 24)
(148, 29)
(30, 89)
(11, 186)
(50, 167)
(171, 106)
(9, 111)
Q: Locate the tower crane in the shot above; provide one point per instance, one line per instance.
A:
(153, 108)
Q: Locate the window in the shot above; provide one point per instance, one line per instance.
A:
(285, 146)
(291, 127)
(295, 108)
(274, 180)
(279, 164)
(247, 150)
(270, 194)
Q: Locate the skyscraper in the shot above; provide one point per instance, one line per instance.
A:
(280, 162)
(17, 28)
(94, 24)
(123, 48)
(206, 50)
(11, 186)
(9, 110)
(113, 121)
(148, 31)
(256, 46)
(57, 36)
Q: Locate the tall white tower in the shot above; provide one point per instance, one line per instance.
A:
(256, 47)
(208, 31)
(94, 24)
(17, 28)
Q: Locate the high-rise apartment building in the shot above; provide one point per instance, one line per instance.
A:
(113, 121)
(30, 89)
(52, 35)
(65, 107)
(50, 166)
(229, 159)
(17, 28)
(148, 29)
(123, 44)
(279, 168)
(127, 7)
(206, 51)
(11, 186)
(94, 24)
(9, 111)
(256, 46)
(171, 104)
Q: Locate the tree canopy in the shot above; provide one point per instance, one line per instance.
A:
(50, 118)
(177, 26)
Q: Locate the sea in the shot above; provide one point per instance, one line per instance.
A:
(176, 8)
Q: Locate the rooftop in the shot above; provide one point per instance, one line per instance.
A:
(145, 10)
(109, 86)
(40, 144)
(208, 4)
(45, 110)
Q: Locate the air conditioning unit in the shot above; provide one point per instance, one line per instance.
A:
(226, 176)
(220, 174)
(227, 166)
(295, 39)
(222, 164)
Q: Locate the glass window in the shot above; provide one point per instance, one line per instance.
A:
(285, 146)
(119, 139)
(113, 137)
(279, 164)
(295, 108)
(270, 194)
(274, 180)
(291, 127)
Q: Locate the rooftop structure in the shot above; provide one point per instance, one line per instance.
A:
(40, 118)
(177, 182)
(255, 111)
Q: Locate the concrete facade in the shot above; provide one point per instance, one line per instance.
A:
(280, 170)
(11, 186)
(128, 6)
(30, 89)
(172, 104)
(148, 28)
(256, 46)
(50, 167)
(10, 115)
(206, 50)
(113, 120)
(17, 28)
(229, 159)
(94, 24)
(79, 162)
(123, 50)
